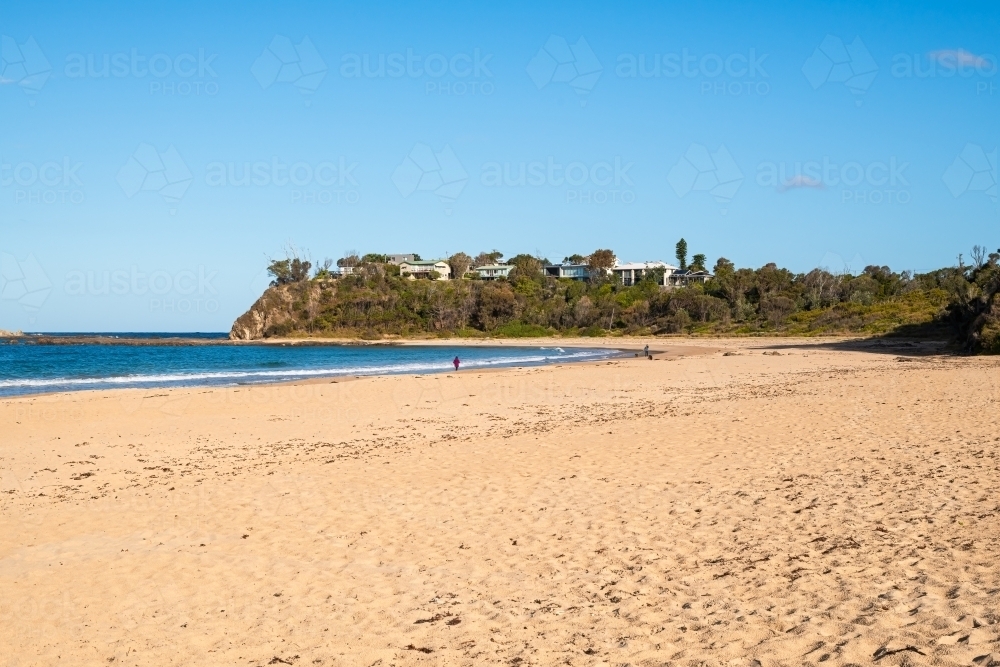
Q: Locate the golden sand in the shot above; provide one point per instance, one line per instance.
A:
(715, 506)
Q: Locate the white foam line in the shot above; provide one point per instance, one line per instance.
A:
(295, 373)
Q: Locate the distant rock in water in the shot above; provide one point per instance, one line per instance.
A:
(10, 334)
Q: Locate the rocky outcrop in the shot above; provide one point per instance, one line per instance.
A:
(271, 310)
(249, 326)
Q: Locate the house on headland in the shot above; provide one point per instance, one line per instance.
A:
(667, 275)
(423, 269)
(399, 259)
(493, 271)
(571, 271)
(684, 278)
(632, 272)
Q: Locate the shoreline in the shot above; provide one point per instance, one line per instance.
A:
(181, 340)
(626, 349)
(621, 353)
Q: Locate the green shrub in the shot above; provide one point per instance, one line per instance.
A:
(518, 330)
(989, 337)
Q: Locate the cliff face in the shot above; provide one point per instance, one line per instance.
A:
(272, 308)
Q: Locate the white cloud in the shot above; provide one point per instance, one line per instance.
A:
(801, 181)
(959, 58)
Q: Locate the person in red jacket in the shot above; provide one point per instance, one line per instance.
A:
(456, 361)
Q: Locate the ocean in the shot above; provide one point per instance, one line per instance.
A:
(32, 368)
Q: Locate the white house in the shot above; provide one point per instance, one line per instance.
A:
(421, 268)
(493, 271)
(633, 272)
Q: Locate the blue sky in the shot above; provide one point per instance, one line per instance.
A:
(847, 134)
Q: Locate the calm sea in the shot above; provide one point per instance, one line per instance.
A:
(27, 369)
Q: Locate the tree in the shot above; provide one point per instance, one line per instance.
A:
(300, 269)
(350, 259)
(289, 270)
(459, 263)
(526, 266)
(373, 258)
(486, 258)
(776, 309)
(323, 272)
(682, 254)
(698, 262)
(978, 256)
(600, 261)
(575, 259)
(280, 272)
(723, 265)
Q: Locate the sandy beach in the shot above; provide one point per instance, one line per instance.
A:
(732, 502)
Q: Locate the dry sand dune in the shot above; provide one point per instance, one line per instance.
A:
(724, 508)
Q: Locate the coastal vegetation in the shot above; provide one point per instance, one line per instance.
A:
(372, 301)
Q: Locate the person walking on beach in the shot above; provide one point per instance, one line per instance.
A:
(456, 361)
(645, 351)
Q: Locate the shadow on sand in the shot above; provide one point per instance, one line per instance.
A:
(912, 340)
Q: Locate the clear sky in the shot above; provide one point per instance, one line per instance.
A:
(153, 155)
